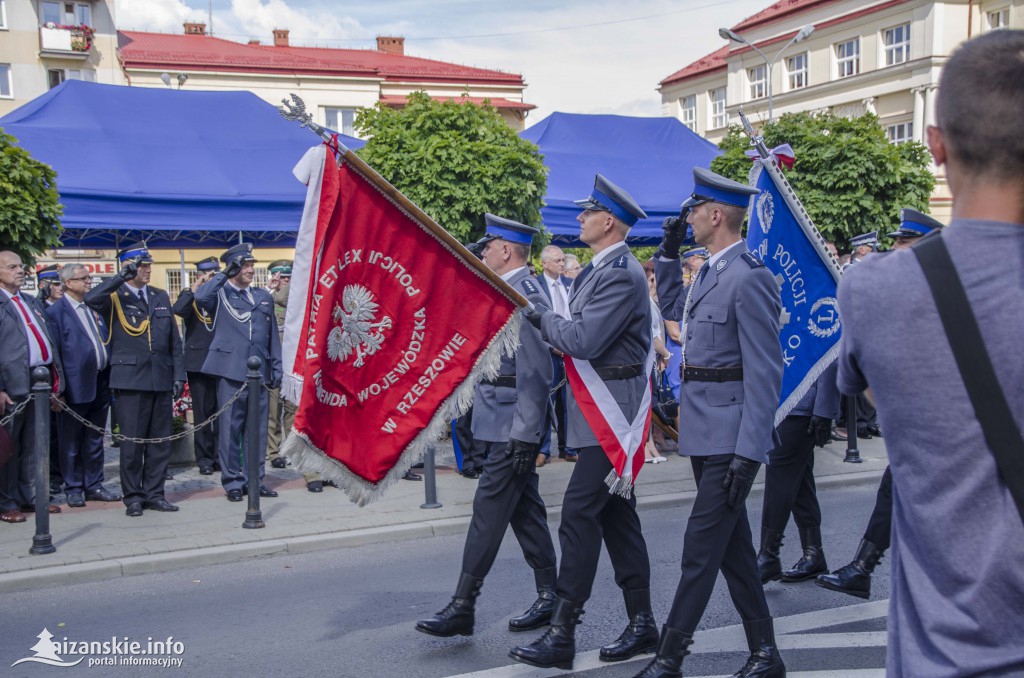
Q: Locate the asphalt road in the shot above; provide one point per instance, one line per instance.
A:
(351, 612)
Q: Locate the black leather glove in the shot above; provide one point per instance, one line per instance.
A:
(673, 230)
(523, 455)
(739, 479)
(275, 382)
(234, 266)
(821, 429)
(536, 314)
(129, 270)
(177, 389)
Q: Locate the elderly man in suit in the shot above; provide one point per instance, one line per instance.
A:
(202, 386)
(27, 343)
(509, 414)
(243, 326)
(732, 376)
(80, 334)
(146, 371)
(556, 286)
(609, 325)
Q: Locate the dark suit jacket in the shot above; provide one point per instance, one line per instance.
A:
(197, 336)
(15, 377)
(543, 285)
(151, 361)
(81, 372)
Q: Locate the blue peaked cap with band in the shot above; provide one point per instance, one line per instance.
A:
(207, 264)
(711, 187)
(499, 228)
(865, 239)
(137, 251)
(243, 248)
(608, 197)
(914, 224)
(51, 272)
(696, 252)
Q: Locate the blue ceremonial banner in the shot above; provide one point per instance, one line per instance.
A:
(782, 235)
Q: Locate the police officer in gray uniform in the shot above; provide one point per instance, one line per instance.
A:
(509, 413)
(243, 326)
(202, 386)
(610, 327)
(146, 371)
(732, 376)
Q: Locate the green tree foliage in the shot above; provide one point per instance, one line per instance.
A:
(30, 208)
(455, 160)
(847, 174)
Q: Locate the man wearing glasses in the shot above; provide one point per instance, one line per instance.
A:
(27, 344)
(80, 333)
(731, 379)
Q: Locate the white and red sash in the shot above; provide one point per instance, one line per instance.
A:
(620, 439)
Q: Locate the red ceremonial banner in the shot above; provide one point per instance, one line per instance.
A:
(396, 327)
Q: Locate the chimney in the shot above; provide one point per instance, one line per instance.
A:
(253, 41)
(391, 45)
(195, 28)
(280, 37)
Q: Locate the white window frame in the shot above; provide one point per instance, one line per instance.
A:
(900, 132)
(1003, 18)
(797, 78)
(63, 77)
(688, 111)
(757, 82)
(9, 83)
(718, 117)
(847, 65)
(3, 15)
(340, 126)
(896, 52)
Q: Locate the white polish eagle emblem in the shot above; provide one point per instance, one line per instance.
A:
(357, 332)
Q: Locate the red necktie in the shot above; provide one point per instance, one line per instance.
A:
(32, 328)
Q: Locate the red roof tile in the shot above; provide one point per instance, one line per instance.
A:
(398, 100)
(203, 52)
(779, 10)
(706, 64)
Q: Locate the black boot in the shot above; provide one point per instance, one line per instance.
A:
(768, 563)
(812, 562)
(640, 634)
(671, 650)
(557, 647)
(855, 578)
(539, 613)
(764, 660)
(456, 619)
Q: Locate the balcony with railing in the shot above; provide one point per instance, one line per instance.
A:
(66, 42)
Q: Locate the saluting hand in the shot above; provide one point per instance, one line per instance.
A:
(234, 266)
(129, 271)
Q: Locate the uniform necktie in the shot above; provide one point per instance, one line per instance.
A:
(704, 271)
(583, 274)
(43, 350)
(94, 332)
(556, 296)
(142, 296)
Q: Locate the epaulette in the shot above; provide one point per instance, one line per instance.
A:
(752, 260)
(620, 262)
(529, 286)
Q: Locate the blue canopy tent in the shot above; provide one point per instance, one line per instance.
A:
(652, 158)
(173, 167)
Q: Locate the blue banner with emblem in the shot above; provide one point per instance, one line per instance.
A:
(782, 235)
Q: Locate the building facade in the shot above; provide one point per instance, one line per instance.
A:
(334, 83)
(45, 42)
(878, 56)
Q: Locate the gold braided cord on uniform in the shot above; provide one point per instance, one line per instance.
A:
(129, 329)
(201, 314)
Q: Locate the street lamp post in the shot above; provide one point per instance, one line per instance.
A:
(728, 34)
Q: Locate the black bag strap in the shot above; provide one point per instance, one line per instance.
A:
(972, 359)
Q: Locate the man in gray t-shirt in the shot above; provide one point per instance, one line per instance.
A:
(957, 591)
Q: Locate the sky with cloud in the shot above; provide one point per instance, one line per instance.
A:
(593, 56)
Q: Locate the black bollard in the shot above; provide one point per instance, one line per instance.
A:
(254, 380)
(42, 542)
(430, 481)
(852, 453)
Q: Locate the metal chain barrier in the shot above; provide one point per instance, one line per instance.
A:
(17, 410)
(145, 441)
(286, 405)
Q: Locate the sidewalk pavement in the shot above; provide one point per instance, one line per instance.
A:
(99, 542)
